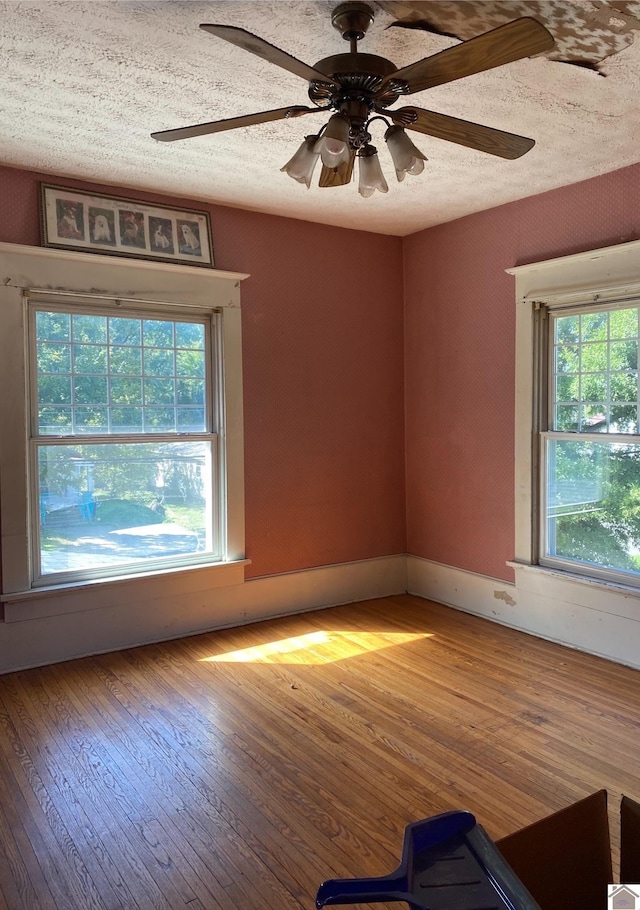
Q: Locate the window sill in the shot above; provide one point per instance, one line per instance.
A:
(562, 575)
(96, 594)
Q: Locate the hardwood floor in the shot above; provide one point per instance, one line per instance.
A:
(241, 768)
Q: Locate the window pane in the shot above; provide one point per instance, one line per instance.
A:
(125, 331)
(89, 358)
(105, 506)
(90, 390)
(593, 492)
(190, 391)
(126, 420)
(53, 326)
(126, 391)
(158, 334)
(54, 390)
(89, 328)
(624, 355)
(190, 420)
(593, 327)
(159, 391)
(125, 360)
(568, 359)
(190, 363)
(566, 418)
(624, 323)
(190, 335)
(55, 421)
(600, 373)
(567, 329)
(97, 365)
(158, 362)
(91, 420)
(54, 358)
(159, 420)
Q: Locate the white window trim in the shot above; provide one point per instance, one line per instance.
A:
(25, 270)
(607, 274)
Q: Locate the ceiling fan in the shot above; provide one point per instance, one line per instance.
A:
(360, 88)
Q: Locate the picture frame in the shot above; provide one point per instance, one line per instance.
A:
(117, 226)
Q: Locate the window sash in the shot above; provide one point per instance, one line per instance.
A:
(204, 546)
(547, 345)
(212, 358)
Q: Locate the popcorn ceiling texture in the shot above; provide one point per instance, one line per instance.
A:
(87, 82)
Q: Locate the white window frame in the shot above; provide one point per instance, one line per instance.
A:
(106, 306)
(28, 272)
(602, 276)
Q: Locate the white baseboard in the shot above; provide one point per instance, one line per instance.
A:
(187, 609)
(597, 618)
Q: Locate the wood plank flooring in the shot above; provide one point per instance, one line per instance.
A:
(241, 768)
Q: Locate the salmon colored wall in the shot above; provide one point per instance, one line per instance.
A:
(460, 359)
(323, 377)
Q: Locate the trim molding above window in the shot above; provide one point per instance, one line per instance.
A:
(600, 280)
(147, 296)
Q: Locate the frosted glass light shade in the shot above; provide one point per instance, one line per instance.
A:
(407, 159)
(333, 146)
(371, 177)
(302, 165)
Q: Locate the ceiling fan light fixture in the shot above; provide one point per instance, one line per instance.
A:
(371, 177)
(302, 165)
(333, 145)
(356, 86)
(407, 159)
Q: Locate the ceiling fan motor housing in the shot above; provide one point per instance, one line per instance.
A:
(356, 77)
(352, 20)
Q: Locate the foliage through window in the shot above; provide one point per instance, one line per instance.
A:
(124, 435)
(591, 444)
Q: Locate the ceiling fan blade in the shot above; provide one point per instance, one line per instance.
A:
(463, 132)
(337, 176)
(505, 44)
(219, 126)
(269, 52)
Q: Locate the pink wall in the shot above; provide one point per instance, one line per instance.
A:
(323, 377)
(325, 446)
(460, 359)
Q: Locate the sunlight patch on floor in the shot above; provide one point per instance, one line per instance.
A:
(317, 647)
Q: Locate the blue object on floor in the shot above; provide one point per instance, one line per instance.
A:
(449, 862)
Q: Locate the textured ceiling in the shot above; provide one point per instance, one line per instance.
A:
(83, 84)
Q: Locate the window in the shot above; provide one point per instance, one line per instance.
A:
(121, 451)
(124, 439)
(590, 457)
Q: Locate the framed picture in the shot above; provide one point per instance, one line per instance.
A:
(123, 227)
